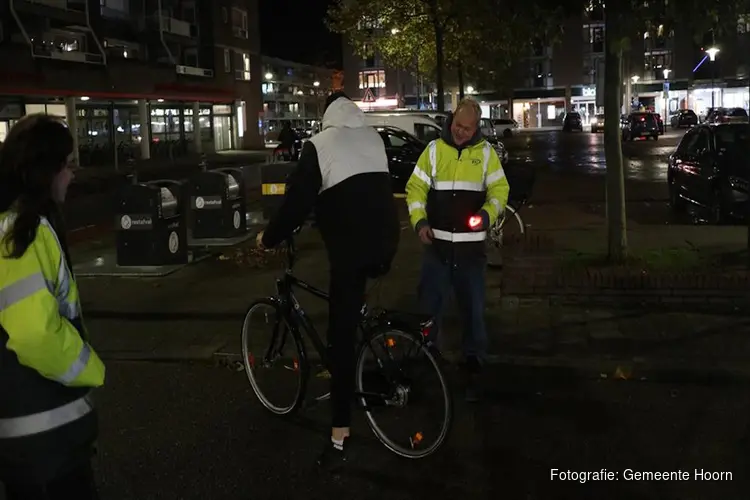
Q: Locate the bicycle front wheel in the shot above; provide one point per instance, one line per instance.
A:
(274, 358)
(507, 231)
(397, 373)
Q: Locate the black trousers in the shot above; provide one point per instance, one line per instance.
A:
(77, 483)
(347, 296)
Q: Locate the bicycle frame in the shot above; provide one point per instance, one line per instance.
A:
(294, 311)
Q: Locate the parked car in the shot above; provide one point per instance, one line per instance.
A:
(403, 150)
(640, 125)
(572, 121)
(711, 169)
(490, 133)
(505, 127)
(728, 115)
(597, 123)
(417, 124)
(684, 118)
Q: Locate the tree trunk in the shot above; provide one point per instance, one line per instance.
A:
(439, 70)
(460, 83)
(617, 237)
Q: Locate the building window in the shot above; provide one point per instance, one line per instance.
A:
(242, 66)
(227, 61)
(239, 23)
(596, 38)
(371, 79)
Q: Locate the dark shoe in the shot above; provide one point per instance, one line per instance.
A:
(333, 458)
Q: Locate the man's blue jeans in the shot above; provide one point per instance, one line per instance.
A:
(466, 276)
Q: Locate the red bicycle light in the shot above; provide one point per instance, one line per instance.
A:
(475, 221)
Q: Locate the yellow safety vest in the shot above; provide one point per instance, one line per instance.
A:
(47, 366)
(449, 186)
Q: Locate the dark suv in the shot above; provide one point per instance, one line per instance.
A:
(684, 118)
(638, 125)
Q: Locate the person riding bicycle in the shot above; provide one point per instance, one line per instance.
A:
(454, 195)
(342, 175)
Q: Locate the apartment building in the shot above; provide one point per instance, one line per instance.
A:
(293, 93)
(135, 78)
(664, 71)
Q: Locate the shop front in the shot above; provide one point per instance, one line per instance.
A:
(539, 108)
(583, 101)
(736, 95)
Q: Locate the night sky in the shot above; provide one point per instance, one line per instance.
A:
(294, 30)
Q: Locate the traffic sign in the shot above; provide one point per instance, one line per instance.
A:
(369, 96)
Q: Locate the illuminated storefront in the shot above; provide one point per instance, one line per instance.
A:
(537, 108)
(583, 101)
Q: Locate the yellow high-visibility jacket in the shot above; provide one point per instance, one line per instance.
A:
(449, 186)
(47, 367)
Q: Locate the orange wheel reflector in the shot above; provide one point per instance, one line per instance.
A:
(390, 343)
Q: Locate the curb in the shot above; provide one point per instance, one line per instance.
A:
(657, 370)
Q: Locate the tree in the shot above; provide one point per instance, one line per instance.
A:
(479, 39)
(625, 22)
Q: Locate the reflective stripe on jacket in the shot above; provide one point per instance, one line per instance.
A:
(448, 187)
(46, 364)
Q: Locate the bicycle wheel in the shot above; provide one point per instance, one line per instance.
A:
(387, 387)
(273, 357)
(507, 231)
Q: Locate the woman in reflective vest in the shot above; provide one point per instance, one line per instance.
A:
(47, 369)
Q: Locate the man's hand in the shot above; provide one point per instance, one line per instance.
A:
(426, 235)
(259, 241)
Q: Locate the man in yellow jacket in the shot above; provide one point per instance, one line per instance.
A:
(454, 196)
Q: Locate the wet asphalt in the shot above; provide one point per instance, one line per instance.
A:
(582, 153)
(182, 431)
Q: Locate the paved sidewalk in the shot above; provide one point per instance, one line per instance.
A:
(197, 313)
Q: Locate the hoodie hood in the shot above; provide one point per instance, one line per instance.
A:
(343, 113)
(448, 137)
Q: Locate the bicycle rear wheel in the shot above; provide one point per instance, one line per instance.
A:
(507, 231)
(387, 386)
(274, 358)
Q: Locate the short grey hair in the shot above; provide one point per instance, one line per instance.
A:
(467, 103)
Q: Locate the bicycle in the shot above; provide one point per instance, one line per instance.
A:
(379, 329)
(508, 228)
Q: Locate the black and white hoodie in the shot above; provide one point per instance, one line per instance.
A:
(342, 175)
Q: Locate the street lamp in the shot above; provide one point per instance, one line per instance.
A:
(395, 31)
(269, 76)
(666, 72)
(712, 51)
(316, 83)
(469, 89)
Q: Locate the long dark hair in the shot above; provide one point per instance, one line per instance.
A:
(35, 150)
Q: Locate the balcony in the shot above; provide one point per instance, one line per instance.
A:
(66, 10)
(194, 71)
(175, 26)
(48, 52)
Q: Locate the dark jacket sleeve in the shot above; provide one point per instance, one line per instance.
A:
(302, 188)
